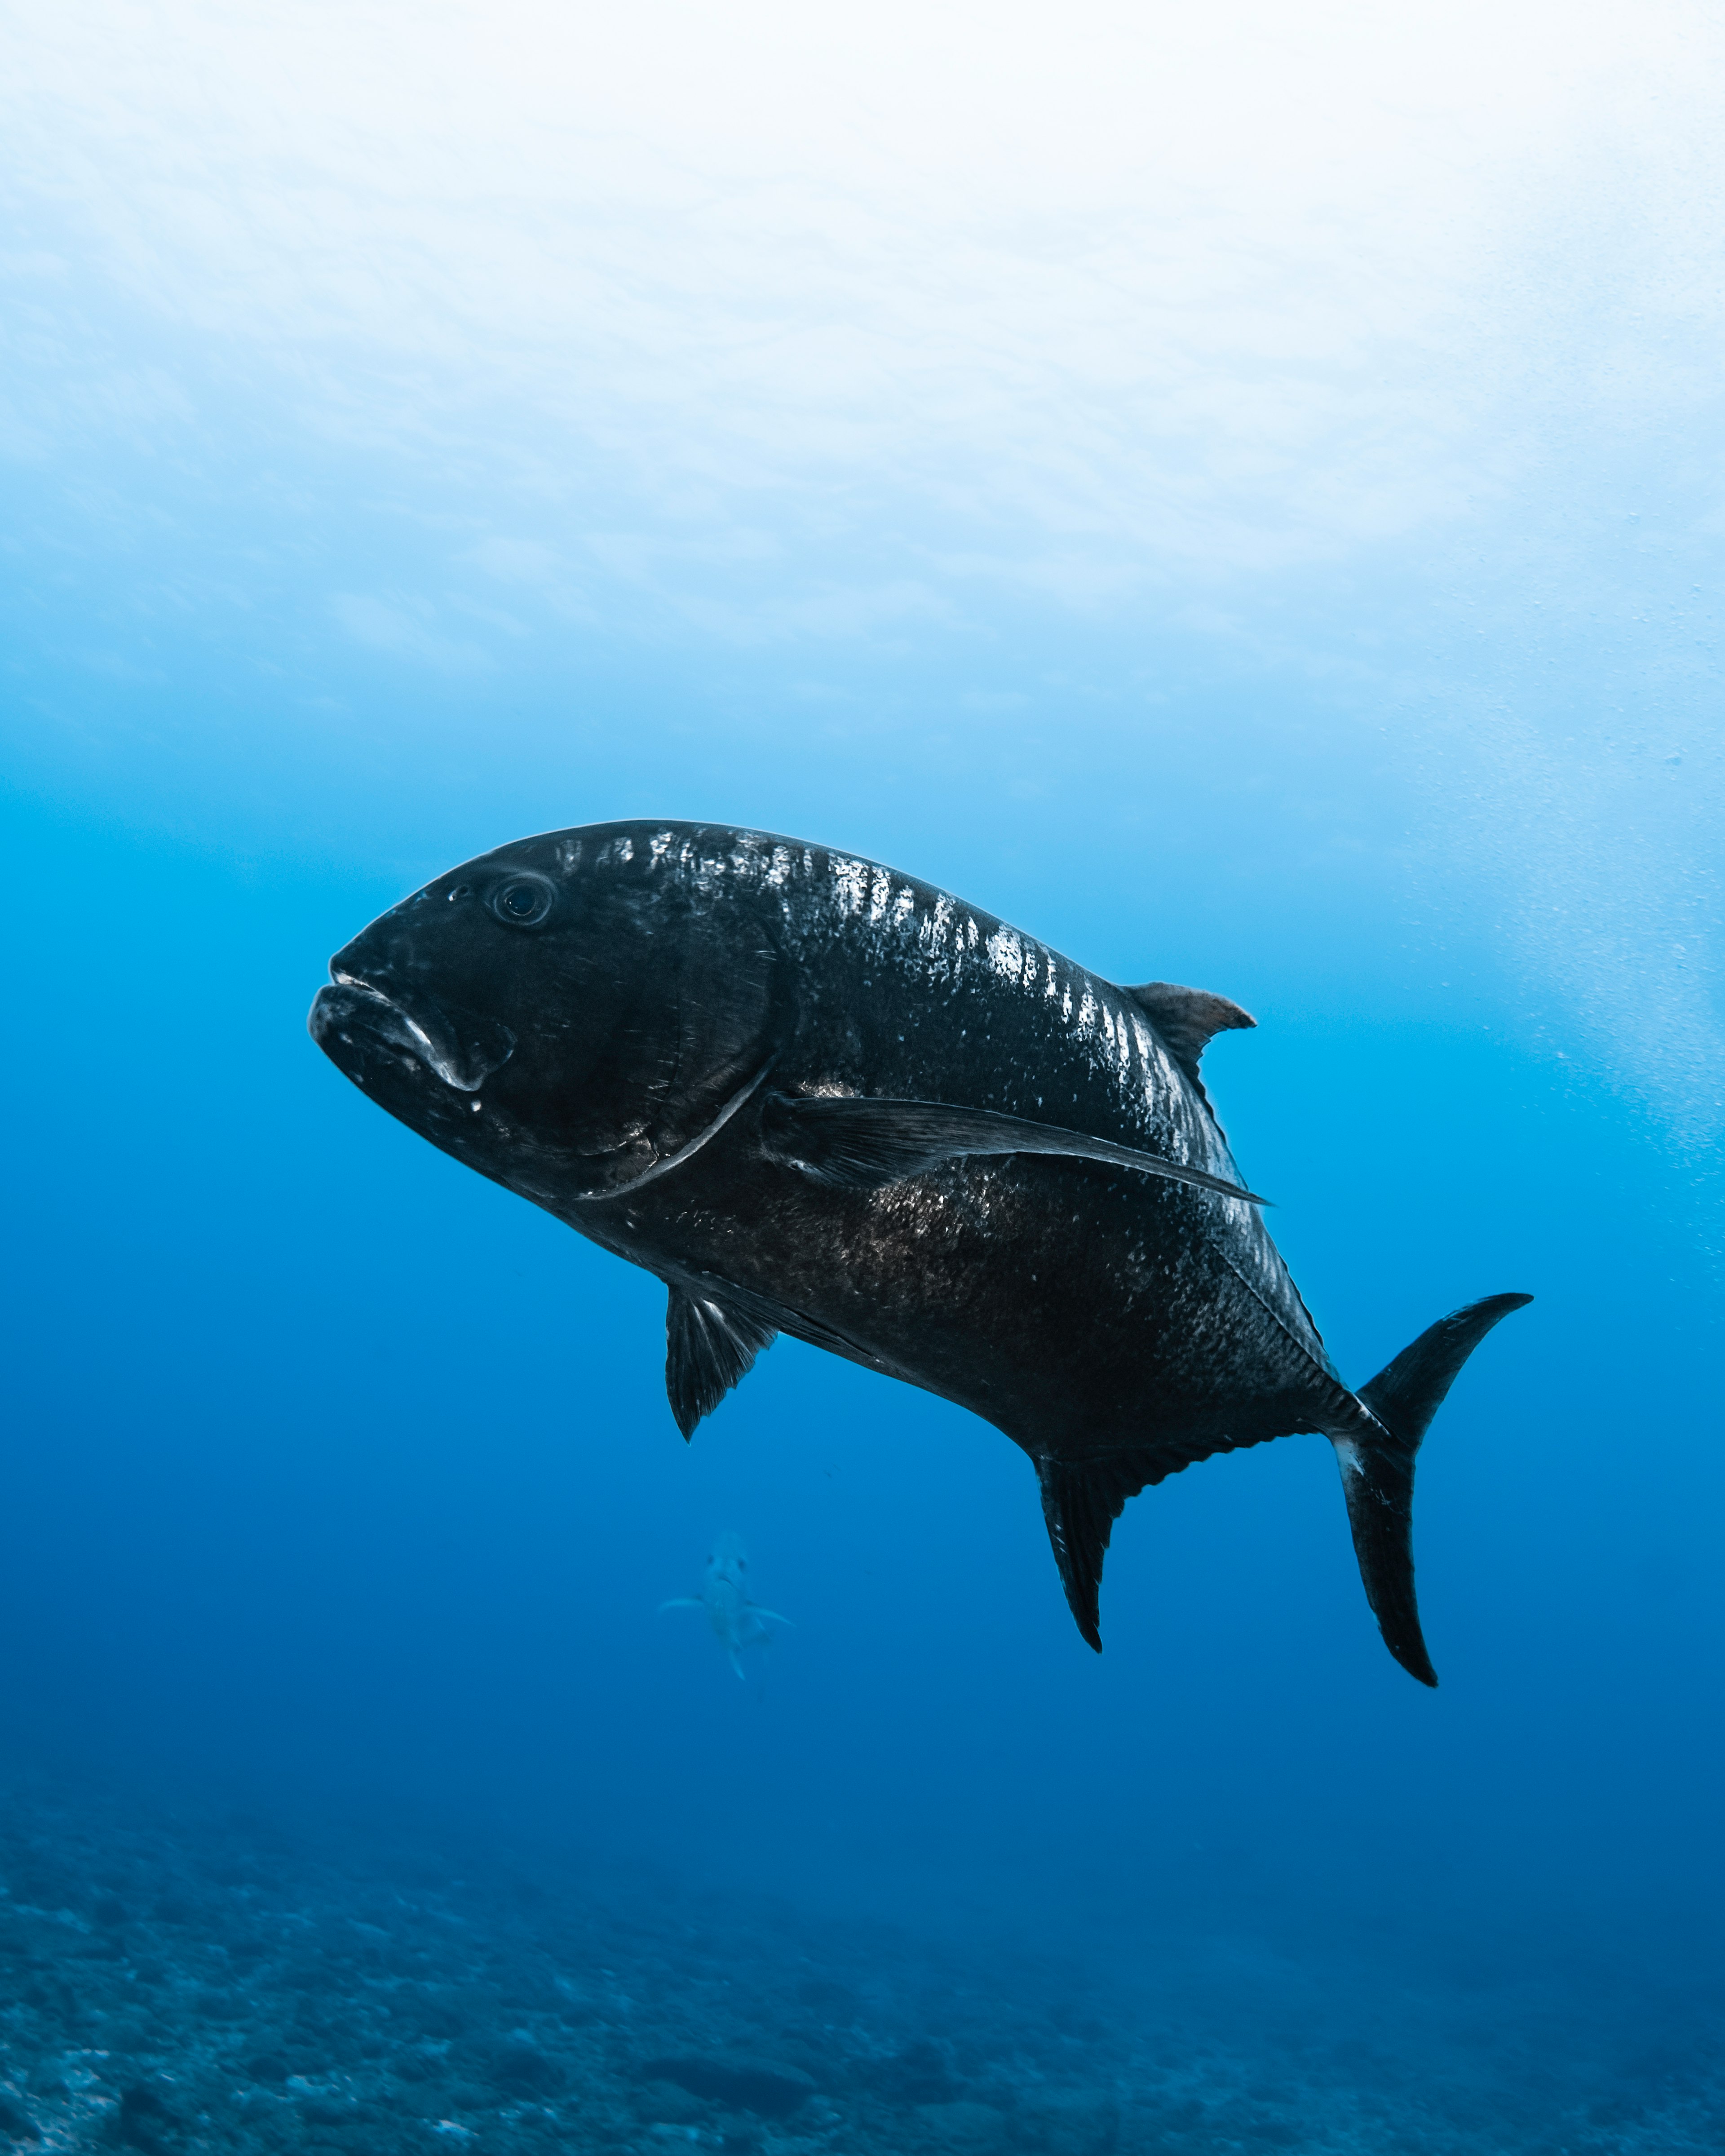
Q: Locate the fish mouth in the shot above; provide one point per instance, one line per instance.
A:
(454, 1045)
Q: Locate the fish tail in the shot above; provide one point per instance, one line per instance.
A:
(1376, 1452)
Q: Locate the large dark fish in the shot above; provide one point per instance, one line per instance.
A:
(816, 1096)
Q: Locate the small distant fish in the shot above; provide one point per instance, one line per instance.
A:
(737, 1623)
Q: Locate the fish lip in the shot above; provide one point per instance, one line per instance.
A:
(456, 1047)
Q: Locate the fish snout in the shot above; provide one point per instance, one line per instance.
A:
(459, 1047)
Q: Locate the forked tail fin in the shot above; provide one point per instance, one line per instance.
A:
(1377, 1465)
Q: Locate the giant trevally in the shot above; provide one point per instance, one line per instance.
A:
(816, 1096)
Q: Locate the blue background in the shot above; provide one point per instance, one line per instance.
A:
(333, 1476)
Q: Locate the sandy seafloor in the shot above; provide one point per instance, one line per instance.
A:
(174, 1982)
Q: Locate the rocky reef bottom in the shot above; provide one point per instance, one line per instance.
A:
(170, 1985)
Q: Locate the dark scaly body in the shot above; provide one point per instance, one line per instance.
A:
(631, 1059)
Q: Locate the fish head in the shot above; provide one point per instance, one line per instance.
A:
(725, 1590)
(558, 1023)
(729, 1563)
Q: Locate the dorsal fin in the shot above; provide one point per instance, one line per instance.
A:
(1187, 1019)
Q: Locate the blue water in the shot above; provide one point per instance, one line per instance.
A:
(340, 1492)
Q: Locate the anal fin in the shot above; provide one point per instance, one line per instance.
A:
(1082, 1499)
(711, 1345)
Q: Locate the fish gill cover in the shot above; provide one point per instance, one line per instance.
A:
(1229, 503)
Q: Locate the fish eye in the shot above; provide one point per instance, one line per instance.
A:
(524, 901)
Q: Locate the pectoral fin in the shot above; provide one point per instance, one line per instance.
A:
(711, 1345)
(858, 1144)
